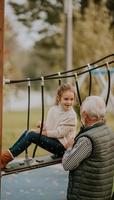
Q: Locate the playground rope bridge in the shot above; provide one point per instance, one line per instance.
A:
(104, 64)
(70, 73)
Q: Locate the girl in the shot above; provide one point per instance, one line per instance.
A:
(59, 128)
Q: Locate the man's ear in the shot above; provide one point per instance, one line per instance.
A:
(58, 99)
(85, 117)
(84, 114)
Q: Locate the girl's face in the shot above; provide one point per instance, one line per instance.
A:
(67, 100)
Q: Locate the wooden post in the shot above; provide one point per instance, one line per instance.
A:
(1, 75)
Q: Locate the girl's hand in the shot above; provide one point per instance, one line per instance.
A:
(44, 132)
(69, 143)
(39, 125)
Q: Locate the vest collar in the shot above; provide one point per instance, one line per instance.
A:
(86, 128)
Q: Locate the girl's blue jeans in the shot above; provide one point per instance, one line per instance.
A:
(28, 137)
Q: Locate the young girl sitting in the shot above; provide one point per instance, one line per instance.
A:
(59, 128)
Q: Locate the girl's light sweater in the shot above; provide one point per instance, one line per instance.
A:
(61, 124)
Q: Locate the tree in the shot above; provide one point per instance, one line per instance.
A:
(47, 54)
(11, 51)
(110, 6)
(90, 29)
(46, 11)
(92, 35)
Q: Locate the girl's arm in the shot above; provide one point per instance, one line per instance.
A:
(59, 124)
(67, 126)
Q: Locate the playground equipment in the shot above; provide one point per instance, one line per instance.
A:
(97, 69)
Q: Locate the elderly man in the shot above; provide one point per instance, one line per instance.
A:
(91, 159)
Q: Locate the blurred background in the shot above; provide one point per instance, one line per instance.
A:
(44, 37)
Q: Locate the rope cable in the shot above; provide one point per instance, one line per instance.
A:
(42, 121)
(109, 82)
(90, 79)
(77, 87)
(93, 63)
(28, 114)
(55, 76)
(59, 74)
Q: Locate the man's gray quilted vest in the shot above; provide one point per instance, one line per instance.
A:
(93, 179)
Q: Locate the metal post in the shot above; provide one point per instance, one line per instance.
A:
(1, 74)
(68, 34)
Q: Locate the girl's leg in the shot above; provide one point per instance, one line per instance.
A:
(23, 142)
(50, 144)
(20, 138)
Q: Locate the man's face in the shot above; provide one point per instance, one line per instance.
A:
(82, 118)
(83, 115)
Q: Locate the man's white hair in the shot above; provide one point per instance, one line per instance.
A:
(94, 106)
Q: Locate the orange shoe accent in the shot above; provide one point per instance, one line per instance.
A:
(6, 157)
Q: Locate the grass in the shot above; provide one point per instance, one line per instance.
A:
(14, 123)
